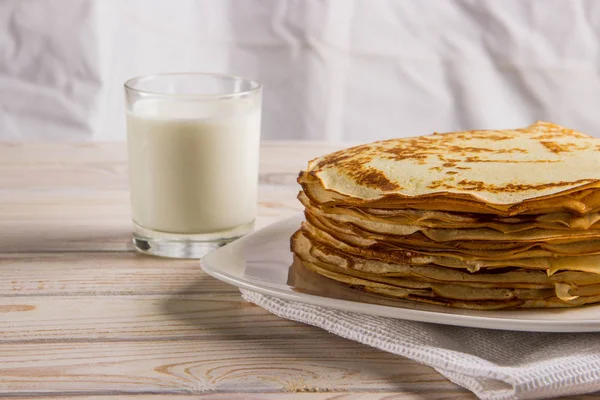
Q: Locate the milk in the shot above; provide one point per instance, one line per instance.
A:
(193, 165)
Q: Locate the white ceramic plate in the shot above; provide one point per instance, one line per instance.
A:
(262, 262)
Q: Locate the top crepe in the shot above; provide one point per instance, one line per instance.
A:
(499, 169)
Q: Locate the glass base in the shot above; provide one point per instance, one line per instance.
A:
(173, 245)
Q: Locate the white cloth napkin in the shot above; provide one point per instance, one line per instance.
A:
(493, 364)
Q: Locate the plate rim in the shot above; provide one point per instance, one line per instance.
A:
(428, 316)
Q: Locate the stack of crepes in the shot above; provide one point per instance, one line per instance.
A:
(478, 219)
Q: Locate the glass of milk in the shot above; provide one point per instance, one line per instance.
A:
(193, 142)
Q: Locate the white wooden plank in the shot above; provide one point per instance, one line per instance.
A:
(300, 394)
(79, 323)
(75, 197)
(94, 274)
(121, 318)
(288, 365)
(82, 226)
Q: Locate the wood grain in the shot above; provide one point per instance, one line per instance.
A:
(99, 273)
(79, 222)
(74, 197)
(287, 365)
(84, 317)
(122, 318)
(300, 395)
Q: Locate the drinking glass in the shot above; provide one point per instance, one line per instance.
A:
(193, 144)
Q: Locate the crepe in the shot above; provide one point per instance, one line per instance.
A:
(549, 264)
(496, 168)
(479, 250)
(441, 285)
(416, 219)
(478, 219)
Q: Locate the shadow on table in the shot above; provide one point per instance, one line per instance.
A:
(287, 355)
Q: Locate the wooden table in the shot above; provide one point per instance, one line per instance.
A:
(84, 316)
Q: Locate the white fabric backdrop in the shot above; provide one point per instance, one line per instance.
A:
(355, 70)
